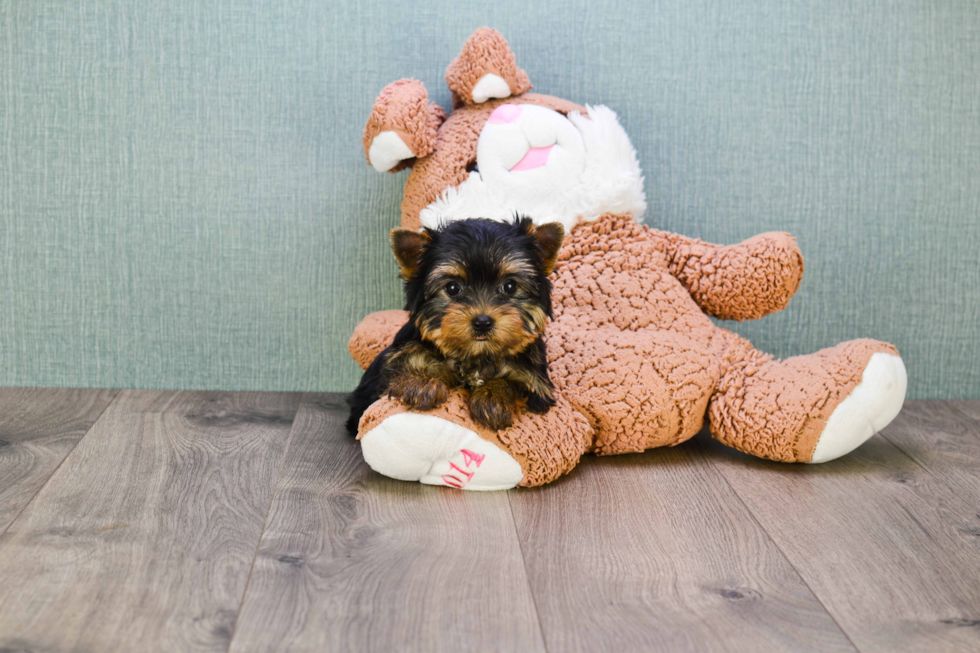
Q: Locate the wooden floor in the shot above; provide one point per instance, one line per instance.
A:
(206, 521)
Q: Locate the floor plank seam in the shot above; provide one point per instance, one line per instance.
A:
(942, 481)
(102, 412)
(265, 523)
(907, 455)
(939, 479)
(527, 578)
(970, 420)
(124, 535)
(776, 544)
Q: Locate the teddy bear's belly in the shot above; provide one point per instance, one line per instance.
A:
(630, 347)
(639, 389)
(628, 299)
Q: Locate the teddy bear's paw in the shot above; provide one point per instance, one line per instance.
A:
(869, 407)
(431, 450)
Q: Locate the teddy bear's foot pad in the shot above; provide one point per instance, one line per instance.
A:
(434, 451)
(870, 406)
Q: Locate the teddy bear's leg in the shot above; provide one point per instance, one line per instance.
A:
(445, 447)
(811, 408)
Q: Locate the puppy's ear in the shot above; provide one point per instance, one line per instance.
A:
(408, 246)
(549, 237)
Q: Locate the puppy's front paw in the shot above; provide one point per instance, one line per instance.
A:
(419, 393)
(539, 404)
(494, 405)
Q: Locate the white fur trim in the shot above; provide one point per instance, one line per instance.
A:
(434, 451)
(490, 86)
(387, 150)
(870, 406)
(610, 181)
(612, 176)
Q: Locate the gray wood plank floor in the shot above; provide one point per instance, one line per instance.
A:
(210, 521)
(38, 429)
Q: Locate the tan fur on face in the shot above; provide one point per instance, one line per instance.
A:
(538, 317)
(455, 338)
(450, 270)
(516, 266)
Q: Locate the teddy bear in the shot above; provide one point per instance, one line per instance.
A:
(635, 359)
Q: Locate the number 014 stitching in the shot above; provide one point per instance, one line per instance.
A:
(469, 458)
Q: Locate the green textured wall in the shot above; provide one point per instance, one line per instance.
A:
(184, 201)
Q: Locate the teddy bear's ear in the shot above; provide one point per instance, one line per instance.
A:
(402, 126)
(485, 69)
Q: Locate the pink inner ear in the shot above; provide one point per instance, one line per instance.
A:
(505, 113)
(535, 158)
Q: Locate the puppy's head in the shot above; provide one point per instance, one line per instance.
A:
(479, 288)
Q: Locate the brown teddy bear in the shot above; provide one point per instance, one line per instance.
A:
(635, 360)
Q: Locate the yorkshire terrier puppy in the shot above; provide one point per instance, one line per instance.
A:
(478, 295)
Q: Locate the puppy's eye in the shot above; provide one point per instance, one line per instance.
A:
(453, 288)
(510, 287)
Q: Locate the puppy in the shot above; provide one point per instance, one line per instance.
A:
(478, 297)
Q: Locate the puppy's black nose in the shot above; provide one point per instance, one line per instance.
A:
(482, 324)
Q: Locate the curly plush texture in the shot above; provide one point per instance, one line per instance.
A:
(404, 108)
(485, 52)
(373, 334)
(726, 285)
(637, 364)
(777, 409)
(635, 359)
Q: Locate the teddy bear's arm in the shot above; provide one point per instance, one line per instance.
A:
(373, 334)
(736, 282)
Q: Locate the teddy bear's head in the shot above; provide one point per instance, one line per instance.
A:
(503, 150)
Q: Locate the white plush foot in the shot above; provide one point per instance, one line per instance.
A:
(872, 404)
(434, 451)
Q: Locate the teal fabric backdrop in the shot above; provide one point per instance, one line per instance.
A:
(184, 201)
